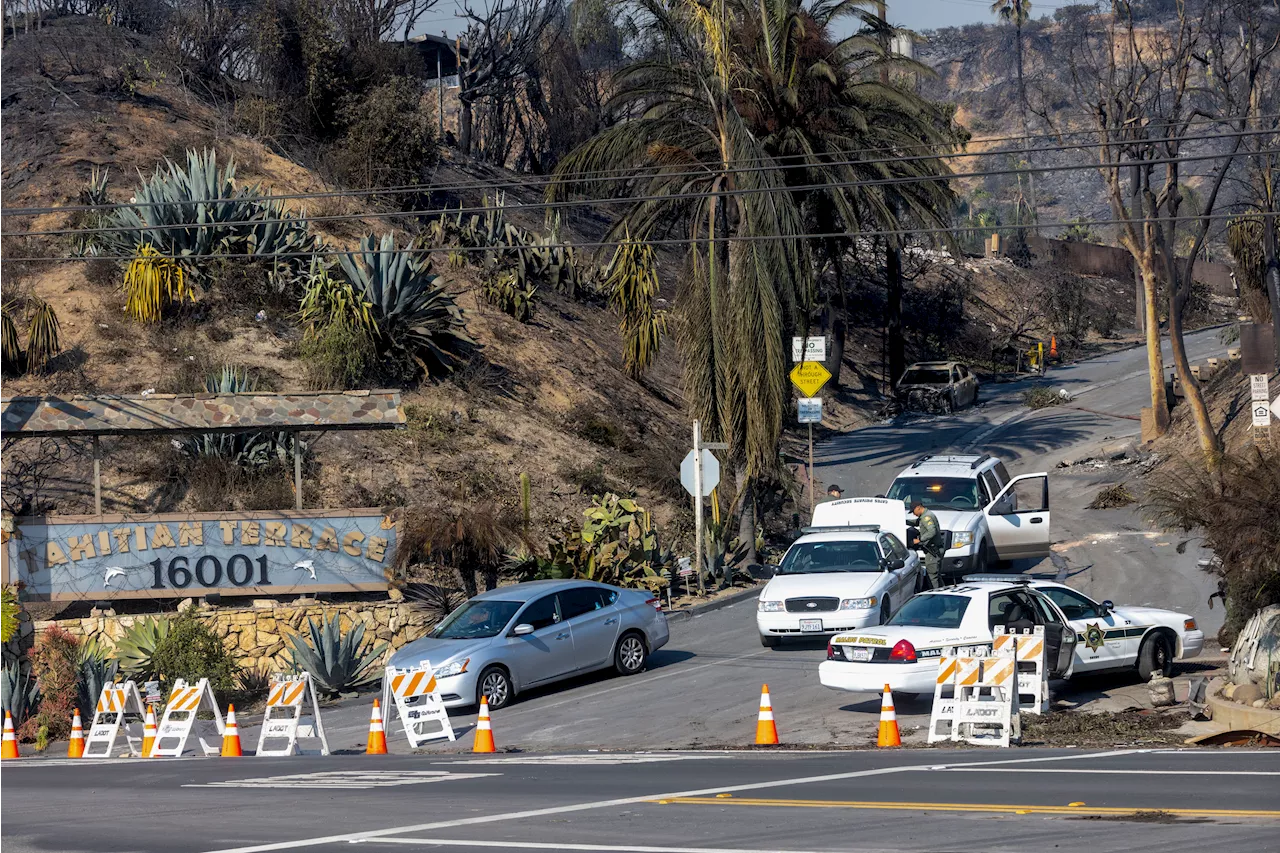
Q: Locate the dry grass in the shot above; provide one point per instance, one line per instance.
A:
(1112, 497)
(1073, 728)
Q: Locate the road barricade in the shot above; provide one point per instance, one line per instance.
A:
(957, 665)
(975, 697)
(413, 694)
(284, 722)
(1033, 673)
(180, 718)
(115, 703)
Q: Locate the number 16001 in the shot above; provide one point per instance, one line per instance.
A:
(208, 572)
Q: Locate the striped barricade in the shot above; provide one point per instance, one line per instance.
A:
(284, 723)
(957, 666)
(115, 704)
(986, 706)
(413, 694)
(1033, 673)
(180, 716)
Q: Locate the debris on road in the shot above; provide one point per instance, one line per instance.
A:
(1111, 497)
(1074, 728)
(1041, 397)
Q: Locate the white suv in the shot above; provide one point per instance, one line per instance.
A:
(985, 514)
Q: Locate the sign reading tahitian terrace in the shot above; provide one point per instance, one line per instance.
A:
(71, 558)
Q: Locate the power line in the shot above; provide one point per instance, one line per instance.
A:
(640, 173)
(682, 241)
(620, 199)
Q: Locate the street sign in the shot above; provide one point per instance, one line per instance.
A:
(1261, 414)
(710, 473)
(1258, 389)
(809, 377)
(808, 349)
(810, 411)
(1257, 347)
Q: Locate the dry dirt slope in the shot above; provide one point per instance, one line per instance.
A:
(520, 405)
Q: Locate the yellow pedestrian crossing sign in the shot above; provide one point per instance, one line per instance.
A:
(809, 377)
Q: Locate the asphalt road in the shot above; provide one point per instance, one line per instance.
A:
(939, 800)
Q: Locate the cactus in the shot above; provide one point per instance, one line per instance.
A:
(526, 498)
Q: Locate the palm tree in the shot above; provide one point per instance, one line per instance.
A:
(1018, 12)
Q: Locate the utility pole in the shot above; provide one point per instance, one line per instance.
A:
(440, 95)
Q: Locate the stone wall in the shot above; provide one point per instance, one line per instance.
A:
(258, 634)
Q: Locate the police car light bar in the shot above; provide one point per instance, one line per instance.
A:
(842, 528)
(997, 579)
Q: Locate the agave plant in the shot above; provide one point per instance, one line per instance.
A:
(151, 282)
(43, 336)
(88, 243)
(95, 670)
(338, 662)
(510, 293)
(414, 314)
(137, 647)
(21, 692)
(246, 450)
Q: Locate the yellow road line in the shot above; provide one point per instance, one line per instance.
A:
(968, 807)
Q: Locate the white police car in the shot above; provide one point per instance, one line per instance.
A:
(849, 570)
(904, 652)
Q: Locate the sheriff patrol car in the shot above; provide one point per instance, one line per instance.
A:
(1080, 635)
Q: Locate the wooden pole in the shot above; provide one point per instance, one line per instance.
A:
(813, 501)
(297, 471)
(97, 477)
(439, 96)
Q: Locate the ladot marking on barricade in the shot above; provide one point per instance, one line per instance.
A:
(180, 717)
(349, 779)
(283, 722)
(115, 703)
(413, 695)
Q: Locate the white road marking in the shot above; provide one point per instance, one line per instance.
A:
(91, 762)
(349, 779)
(357, 837)
(1094, 772)
(602, 759)
(606, 848)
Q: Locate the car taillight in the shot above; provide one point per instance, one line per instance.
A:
(904, 652)
(832, 654)
(1189, 625)
(655, 603)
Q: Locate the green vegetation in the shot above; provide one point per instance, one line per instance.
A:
(338, 662)
(191, 651)
(21, 692)
(11, 610)
(244, 450)
(136, 649)
(151, 282)
(54, 662)
(632, 282)
(44, 337)
(94, 670)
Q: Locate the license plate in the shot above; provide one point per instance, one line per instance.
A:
(810, 625)
(857, 654)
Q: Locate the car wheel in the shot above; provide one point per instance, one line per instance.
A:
(770, 642)
(1155, 656)
(885, 611)
(951, 403)
(980, 564)
(631, 655)
(495, 686)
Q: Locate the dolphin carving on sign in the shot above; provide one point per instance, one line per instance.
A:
(307, 566)
(112, 572)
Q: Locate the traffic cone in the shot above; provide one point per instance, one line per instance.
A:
(766, 730)
(484, 731)
(10, 748)
(231, 735)
(75, 749)
(149, 732)
(377, 737)
(889, 735)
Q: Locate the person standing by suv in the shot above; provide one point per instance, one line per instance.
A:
(930, 542)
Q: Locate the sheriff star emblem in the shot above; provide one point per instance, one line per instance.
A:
(1093, 637)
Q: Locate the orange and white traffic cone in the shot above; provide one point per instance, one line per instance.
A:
(889, 734)
(149, 732)
(75, 749)
(10, 747)
(484, 731)
(766, 729)
(231, 735)
(377, 737)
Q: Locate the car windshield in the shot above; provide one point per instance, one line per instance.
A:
(818, 557)
(923, 376)
(932, 611)
(477, 619)
(937, 492)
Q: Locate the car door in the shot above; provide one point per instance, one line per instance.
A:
(1100, 639)
(904, 579)
(548, 652)
(1018, 518)
(593, 615)
(1060, 640)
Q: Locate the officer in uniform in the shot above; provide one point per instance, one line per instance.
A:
(930, 542)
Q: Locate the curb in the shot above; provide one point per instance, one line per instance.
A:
(686, 613)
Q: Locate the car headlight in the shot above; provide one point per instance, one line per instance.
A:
(858, 603)
(961, 538)
(450, 669)
(769, 606)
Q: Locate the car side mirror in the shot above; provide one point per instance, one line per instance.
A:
(1107, 607)
(897, 564)
(522, 629)
(1003, 506)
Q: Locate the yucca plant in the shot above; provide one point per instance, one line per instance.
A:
(89, 243)
(246, 450)
(21, 692)
(151, 282)
(415, 316)
(43, 336)
(136, 649)
(338, 662)
(327, 300)
(12, 346)
(632, 282)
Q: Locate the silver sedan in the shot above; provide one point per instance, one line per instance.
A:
(516, 637)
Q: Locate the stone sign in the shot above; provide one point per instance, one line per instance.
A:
(91, 558)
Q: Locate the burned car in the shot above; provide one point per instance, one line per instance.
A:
(937, 386)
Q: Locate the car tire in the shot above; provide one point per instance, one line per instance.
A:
(951, 403)
(495, 685)
(631, 654)
(1155, 655)
(770, 642)
(980, 564)
(885, 610)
